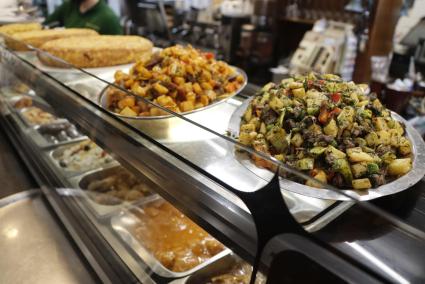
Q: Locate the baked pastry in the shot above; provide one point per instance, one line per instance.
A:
(20, 40)
(96, 51)
(19, 27)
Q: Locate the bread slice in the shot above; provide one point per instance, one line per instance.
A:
(37, 38)
(11, 29)
(96, 51)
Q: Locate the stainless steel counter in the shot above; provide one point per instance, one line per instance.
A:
(34, 248)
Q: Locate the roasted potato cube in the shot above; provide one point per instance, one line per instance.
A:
(277, 137)
(179, 80)
(297, 140)
(359, 169)
(128, 112)
(128, 101)
(343, 167)
(357, 155)
(197, 89)
(295, 85)
(405, 147)
(191, 97)
(400, 166)
(363, 183)
(384, 137)
(206, 86)
(372, 139)
(299, 93)
(321, 176)
(160, 88)
(186, 106)
(335, 153)
(380, 123)
(204, 100)
(165, 101)
(331, 128)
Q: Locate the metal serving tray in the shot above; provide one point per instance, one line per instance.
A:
(56, 153)
(160, 127)
(43, 107)
(101, 210)
(123, 225)
(400, 184)
(214, 269)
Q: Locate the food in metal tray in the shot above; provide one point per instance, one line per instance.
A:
(96, 51)
(177, 242)
(23, 102)
(83, 156)
(120, 185)
(329, 129)
(35, 115)
(59, 132)
(178, 78)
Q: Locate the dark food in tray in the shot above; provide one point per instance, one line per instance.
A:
(329, 129)
(117, 187)
(59, 132)
(35, 115)
(177, 242)
(83, 156)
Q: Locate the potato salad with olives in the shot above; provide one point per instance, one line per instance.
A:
(329, 129)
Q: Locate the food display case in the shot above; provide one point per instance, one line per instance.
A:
(177, 199)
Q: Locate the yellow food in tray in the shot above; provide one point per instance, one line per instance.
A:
(96, 51)
(19, 27)
(178, 78)
(328, 129)
(19, 41)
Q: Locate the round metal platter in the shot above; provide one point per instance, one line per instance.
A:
(102, 101)
(400, 184)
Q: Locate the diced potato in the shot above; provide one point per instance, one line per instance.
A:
(343, 167)
(297, 140)
(388, 157)
(197, 89)
(276, 104)
(186, 106)
(277, 137)
(405, 147)
(179, 80)
(331, 128)
(295, 85)
(400, 166)
(198, 105)
(204, 100)
(160, 88)
(357, 155)
(247, 138)
(359, 169)
(380, 123)
(337, 154)
(317, 151)
(372, 139)
(191, 97)
(128, 112)
(128, 101)
(166, 101)
(299, 93)
(206, 86)
(320, 176)
(363, 183)
(384, 137)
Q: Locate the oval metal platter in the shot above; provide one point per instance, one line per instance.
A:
(102, 102)
(395, 186)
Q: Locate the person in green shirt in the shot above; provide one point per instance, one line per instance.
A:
(92, 14)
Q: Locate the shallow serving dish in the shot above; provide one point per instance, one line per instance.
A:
(400, 184)
(56, 153)
(42, 106)
(123, 224)
(160, 127)
(217, 268)
(103, 210)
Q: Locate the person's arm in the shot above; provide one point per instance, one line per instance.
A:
(57, 16)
